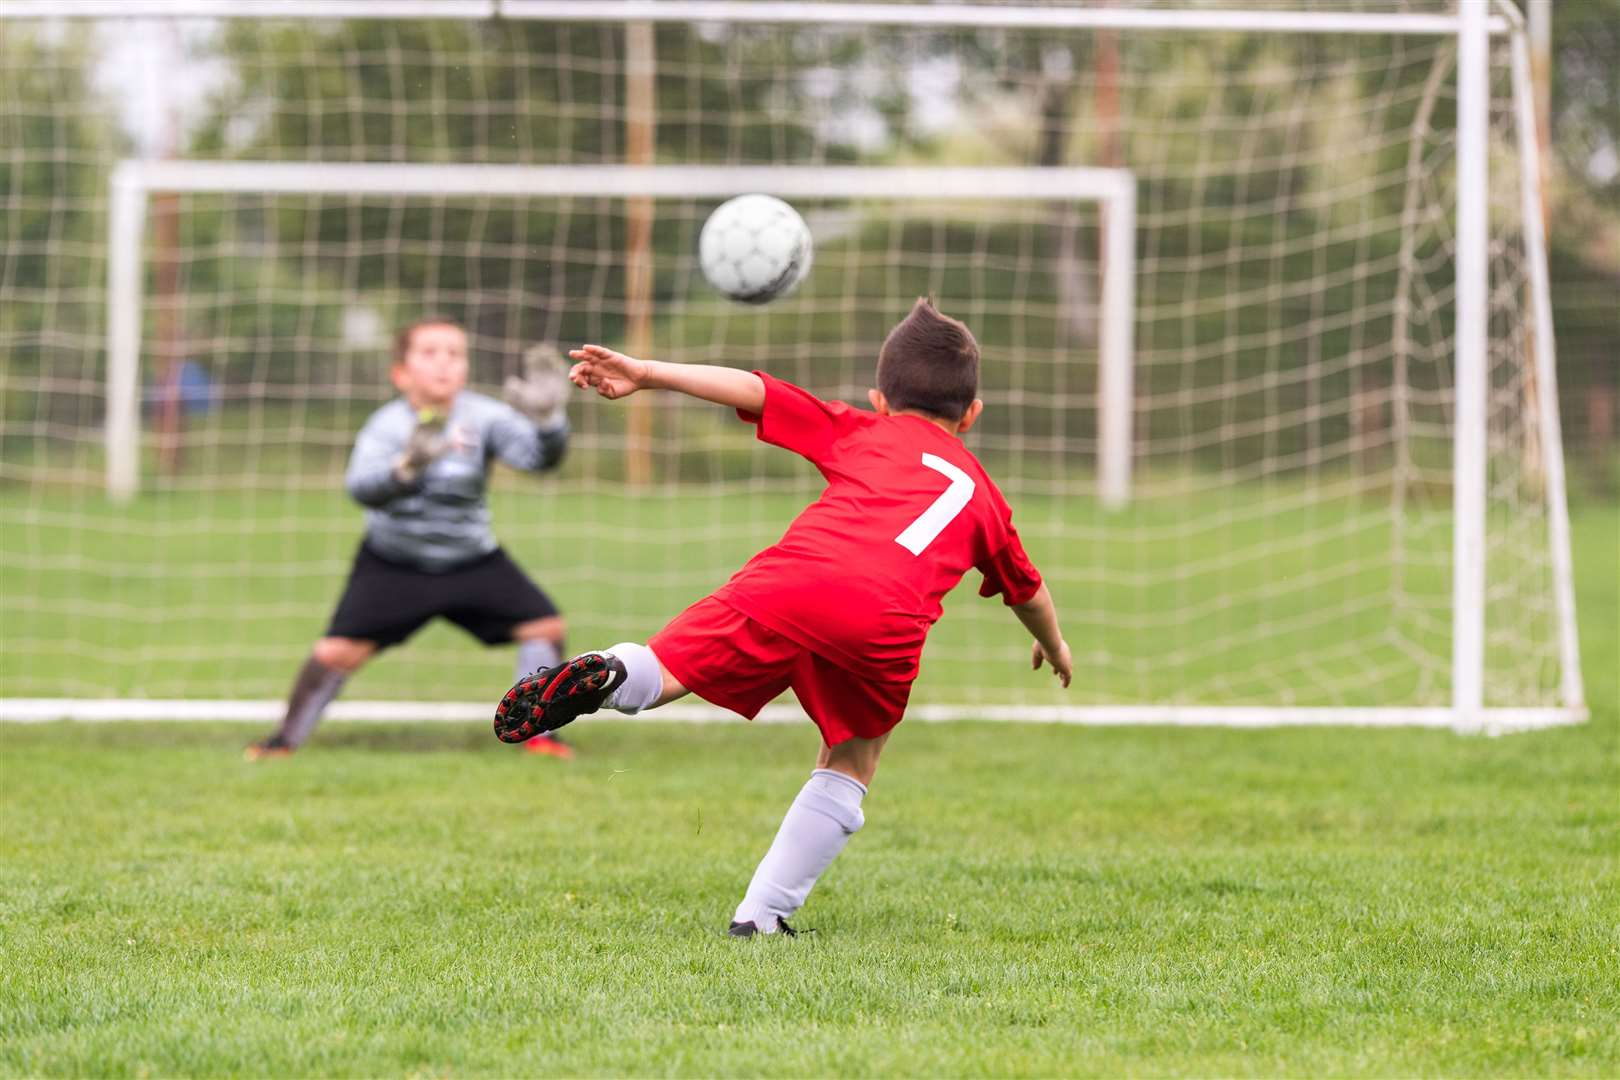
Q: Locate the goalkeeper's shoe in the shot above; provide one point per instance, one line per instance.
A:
(273, 747)
(551, 745)
(552, 697)
(749, 929)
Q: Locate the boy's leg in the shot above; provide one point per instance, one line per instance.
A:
(856, 715)
(824, 815)
(647, 682)
(539, 644)
(383, 604)
(627, 677)
(330, 663)
(856, 758)
(497, 603)
(710, 647)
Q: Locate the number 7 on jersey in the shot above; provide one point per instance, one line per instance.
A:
(932, 521)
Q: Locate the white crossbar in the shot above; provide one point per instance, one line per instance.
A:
(248, 9)
(623, 181)
(989, 16)
(1100, 17)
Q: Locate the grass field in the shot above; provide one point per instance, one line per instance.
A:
(1234, 594)
(1023, 900)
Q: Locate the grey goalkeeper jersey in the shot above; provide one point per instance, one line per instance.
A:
(442, 520)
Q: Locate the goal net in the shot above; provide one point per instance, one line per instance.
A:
(1216, 260)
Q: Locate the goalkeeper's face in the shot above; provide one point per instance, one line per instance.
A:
(434, 368)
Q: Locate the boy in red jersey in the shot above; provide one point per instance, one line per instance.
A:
(837, 610)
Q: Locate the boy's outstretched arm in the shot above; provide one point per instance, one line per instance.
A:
(1039, 616)
(614, 375)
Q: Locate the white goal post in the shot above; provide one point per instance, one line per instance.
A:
(1113, 190)
(801, 12)
(1464, 224)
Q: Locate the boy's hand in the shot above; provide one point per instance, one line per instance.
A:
(427, 444)
(1062, 665)
(541, 392)
(611, 374)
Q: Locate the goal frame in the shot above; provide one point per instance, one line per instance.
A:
(134, 181)
(1471, 27)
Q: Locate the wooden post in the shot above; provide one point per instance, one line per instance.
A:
(640, 129)
(1108, 148)
(1540, 11)
(1541, 78)
(168, 327)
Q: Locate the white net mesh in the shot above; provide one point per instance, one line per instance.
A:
(1288, 539)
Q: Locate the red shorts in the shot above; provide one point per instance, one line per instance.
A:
(728, 659)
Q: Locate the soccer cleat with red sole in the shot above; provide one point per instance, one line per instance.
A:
(551, 697)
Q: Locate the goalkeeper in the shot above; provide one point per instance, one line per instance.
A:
(419, 467)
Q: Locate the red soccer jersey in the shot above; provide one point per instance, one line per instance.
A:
(859, 575)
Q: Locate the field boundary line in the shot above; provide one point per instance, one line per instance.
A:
(125, 710)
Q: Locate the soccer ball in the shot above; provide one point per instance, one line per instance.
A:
(754, 248)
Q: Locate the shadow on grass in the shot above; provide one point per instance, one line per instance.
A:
(409, 739)
(405, 738)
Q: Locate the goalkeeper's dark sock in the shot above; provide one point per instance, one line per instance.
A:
(312, 692)
(536, 654)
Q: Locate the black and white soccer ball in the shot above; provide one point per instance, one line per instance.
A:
(755, 248)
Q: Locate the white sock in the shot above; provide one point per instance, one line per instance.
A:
(826, 813)
(643, 678)
(534, 655)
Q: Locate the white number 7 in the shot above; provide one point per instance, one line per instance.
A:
(920, 533)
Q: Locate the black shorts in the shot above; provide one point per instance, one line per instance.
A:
(386, 602)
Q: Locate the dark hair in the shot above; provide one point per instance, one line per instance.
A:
(929, 363)
(402, 339)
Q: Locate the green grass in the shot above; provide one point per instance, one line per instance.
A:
(1024, 900)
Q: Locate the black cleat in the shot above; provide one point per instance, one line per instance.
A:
(748, 929)
(552, 697)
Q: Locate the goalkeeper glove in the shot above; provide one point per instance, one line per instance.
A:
(427, 444)
(541, 392)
